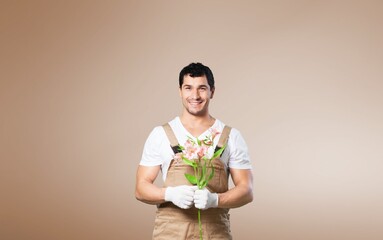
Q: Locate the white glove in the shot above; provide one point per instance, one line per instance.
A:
(181, 196)
(204, 199)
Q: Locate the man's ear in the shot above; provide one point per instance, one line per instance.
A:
(179, 91)
(212, 92)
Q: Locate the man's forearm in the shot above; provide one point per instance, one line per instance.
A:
(242, 193)
(235, 197)
(149, 193)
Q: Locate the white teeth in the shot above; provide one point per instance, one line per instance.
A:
(194, 104)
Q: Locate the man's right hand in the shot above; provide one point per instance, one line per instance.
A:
(181, 196)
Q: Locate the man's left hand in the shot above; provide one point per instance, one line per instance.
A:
(204, 199)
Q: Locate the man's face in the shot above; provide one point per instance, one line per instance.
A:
(196, 94)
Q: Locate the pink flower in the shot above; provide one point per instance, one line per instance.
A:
(188, 143)
(214, 132)
(207, 142)
(202, 151)
(190, 152)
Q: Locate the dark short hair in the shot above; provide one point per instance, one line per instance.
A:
(197, 70)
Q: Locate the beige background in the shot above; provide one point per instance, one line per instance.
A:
(84, 82)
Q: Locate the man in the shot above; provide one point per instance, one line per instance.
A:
(178, 201)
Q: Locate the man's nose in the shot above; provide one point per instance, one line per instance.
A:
(195, 93)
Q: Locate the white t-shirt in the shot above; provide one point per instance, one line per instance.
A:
(157, 150)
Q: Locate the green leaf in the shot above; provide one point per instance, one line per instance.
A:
(203, 183)
(218, 152)
(181, 147)
(211, 174)
(191, 178)
(198, 142)
(189, 162)
(203, 173)
(191, 139)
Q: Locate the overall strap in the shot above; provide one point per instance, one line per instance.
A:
(172, 138)
(223, 138)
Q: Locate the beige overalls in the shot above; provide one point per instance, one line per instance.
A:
(173, 222)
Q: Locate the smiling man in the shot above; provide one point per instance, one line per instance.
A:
(178, 201)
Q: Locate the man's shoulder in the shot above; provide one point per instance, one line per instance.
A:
(176, 125)
(234, 133)
(157, 133)
(174, 122)
(222, 125)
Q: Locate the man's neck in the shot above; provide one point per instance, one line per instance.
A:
(196, 125)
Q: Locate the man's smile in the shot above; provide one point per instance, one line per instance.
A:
(195, 103)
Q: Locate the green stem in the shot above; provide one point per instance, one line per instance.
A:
(195, 174)
(200, 224)
(199, 210)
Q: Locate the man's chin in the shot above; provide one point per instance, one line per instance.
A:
(197, 113)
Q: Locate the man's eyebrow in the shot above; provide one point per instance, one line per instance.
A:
(199, 86)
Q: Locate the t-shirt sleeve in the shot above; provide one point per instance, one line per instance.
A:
(239, 155)
(151, 155)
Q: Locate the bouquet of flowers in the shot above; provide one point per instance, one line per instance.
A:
(197, 154)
